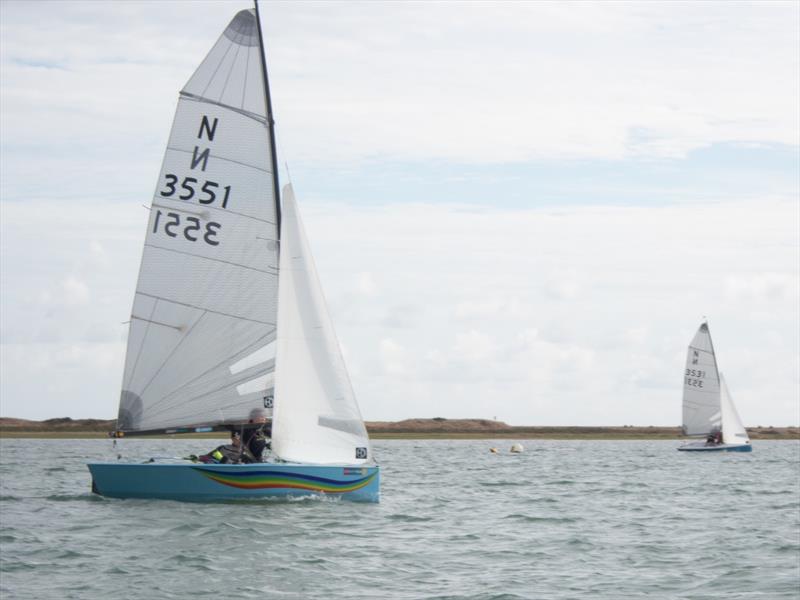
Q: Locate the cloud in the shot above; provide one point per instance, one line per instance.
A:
(509, 209)
(366, 285)
(477, 330)
(763, 287)
(392, 357)
(644, 278)
(473, 346)
(354, 82)
(74, 291)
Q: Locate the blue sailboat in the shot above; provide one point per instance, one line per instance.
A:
(708, 409)
(229, 329)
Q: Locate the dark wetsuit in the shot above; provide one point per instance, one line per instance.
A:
(254, 447)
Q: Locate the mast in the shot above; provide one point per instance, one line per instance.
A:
(713, 355)
(271, 123)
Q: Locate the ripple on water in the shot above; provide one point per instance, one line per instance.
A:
(541, 519)
(403, 518)
(88, 497)
(511, 483)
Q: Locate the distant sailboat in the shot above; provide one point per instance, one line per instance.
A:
(226, 273)
(708, 409)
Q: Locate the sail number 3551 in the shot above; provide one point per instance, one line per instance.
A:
(694, 377)
(190, 227)
(207, 192)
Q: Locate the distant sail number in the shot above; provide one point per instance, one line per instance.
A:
(191, 228)
(695, 373)
(694, 377)
(361, 453)
(207, 193)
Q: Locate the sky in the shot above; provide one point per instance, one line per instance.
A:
(519, 211)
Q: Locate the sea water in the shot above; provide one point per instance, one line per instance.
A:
(564, 519)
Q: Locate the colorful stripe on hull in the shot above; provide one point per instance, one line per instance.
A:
(256, 480)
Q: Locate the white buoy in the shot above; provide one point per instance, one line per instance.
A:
(517, 448)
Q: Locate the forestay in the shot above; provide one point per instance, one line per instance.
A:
(316, 420)
(206, 296)
(701, 386)
(733, 430)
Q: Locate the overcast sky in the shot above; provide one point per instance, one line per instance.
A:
(518, 210)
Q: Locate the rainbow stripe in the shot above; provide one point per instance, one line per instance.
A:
(254, 480)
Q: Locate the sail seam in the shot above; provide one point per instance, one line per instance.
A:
(165, 406)
(230, 160)
(226, 262)
(172, 353)
(244, 113)
(228, 77)
(244, 86)
(178, 402)
(143, 343)
(233, 357)
(219, 64)
(216, 312)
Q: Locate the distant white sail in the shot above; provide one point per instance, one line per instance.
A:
(316, 418)
(733, 431)
(701, 413)
(206, 296)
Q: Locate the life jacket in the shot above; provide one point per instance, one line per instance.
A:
(223, 454)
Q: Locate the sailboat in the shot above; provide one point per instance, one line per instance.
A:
(708, 408)
(229, 327)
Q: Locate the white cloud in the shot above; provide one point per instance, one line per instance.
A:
(393, 357)
(474, 347)
(763, 286)
(98, 254)
(74, 291)
(647, 277)
(476, 330)
(468, 82)
(366, 285)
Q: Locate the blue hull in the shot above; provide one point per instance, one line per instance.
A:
(199, 482)
(701, 447)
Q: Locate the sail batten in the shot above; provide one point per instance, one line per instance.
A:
(256, 117)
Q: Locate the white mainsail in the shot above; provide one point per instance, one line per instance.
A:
(316, 418)
(701, 386)
(206, 296)
(733, 430)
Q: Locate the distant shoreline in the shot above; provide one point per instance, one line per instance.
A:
(409, 429)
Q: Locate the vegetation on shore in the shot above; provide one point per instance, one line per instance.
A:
(438, 428)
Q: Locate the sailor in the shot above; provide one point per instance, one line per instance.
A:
(228, 453)
(256, 441)
(714, 438)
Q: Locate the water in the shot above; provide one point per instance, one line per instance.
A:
(563, 520)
